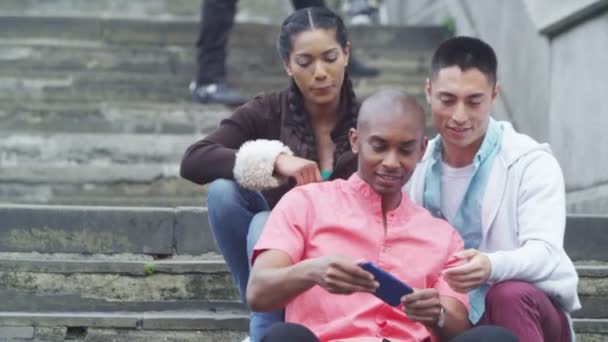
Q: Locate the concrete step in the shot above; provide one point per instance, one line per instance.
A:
(94, 149)
(256, 10)
(593, 290)
(156, 193)
(116, 86)
(184, 32)
(105, 230)
(586, 237)
(107, 283)
(179, 230)
(591, 330)
(111, 118)
(183, 325)
(71, 56)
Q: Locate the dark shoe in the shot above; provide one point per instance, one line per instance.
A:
(219, 93)
(357, 69)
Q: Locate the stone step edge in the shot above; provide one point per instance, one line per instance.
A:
(177, 320)
(591, 325)
(209, 263)
(183, 320)
(101, 266)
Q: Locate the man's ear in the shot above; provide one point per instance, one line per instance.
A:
(495, 91)
(423, 145)
(427, 90)
(353, 137)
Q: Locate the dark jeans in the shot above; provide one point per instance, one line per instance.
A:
(217, 19)
(237, 218)
(298, 333)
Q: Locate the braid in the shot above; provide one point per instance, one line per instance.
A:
(302, 127)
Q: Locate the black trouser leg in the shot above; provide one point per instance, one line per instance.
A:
(299, 4)
(217, 19)
(282, 332)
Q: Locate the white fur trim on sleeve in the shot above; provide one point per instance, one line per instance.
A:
(254, 164)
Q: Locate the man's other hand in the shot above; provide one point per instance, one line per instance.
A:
(422, 306)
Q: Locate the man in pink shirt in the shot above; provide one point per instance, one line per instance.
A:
(308, 257)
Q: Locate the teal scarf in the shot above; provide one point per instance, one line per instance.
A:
(468, 217)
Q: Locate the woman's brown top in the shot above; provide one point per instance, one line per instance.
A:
(271, 116)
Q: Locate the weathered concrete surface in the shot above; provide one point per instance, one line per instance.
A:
(185, 230)
(58, 229)
(578, 111)
(50, 333)
(593, 200)
(593, 293)
(183, 32)
(112, 118)
(157, 287)
(23, 300)
(266, 11)
(99, 335)
(162, 192)
(114, 320)
(28, 55)
(192, 232)
(98, 172)
(551, 17)
(586, 237)
(10, 333)
(126, 264)
(108, 86)
(95, 149)
(591, 326)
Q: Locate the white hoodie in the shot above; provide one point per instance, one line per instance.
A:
(523, 217)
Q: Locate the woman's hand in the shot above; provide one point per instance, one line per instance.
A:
(304, 171)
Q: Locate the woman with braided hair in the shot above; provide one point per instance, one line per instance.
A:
(278, 140)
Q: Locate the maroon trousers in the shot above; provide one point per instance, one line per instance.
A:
(526, 311)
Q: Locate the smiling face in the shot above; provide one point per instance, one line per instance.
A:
(389, 144)
(461, 103)
(317, 64)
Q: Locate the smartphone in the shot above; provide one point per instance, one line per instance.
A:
(391, 289)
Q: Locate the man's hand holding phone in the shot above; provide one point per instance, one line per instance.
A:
(423, 306)
(341, 275)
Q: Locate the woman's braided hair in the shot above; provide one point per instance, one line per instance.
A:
(304, 20)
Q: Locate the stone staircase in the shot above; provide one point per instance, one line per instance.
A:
(100, 240)
(94, 101)
(153, 274)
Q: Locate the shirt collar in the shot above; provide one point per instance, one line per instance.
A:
(370, 197)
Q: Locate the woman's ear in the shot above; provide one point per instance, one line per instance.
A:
(346, 51)
(287, 68)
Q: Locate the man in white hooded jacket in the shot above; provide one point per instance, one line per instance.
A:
(504, 193)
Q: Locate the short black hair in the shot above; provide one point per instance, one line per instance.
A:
(465, 53)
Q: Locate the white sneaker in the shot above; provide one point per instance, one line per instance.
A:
(246, 339)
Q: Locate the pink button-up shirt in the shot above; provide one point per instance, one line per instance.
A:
(344, 217)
